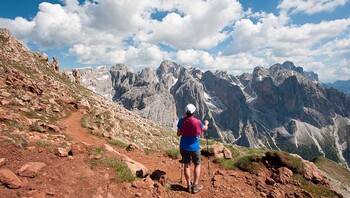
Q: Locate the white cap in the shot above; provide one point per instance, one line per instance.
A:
(190, 108)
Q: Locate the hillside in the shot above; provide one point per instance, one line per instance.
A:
(58, 139)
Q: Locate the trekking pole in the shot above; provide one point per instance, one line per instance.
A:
(182, 164)
(208, 155)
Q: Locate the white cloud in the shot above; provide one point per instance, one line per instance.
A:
(310, 6)
(145, 55)
(196, 24)
(110, 31)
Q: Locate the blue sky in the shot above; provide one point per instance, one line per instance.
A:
(229, 35)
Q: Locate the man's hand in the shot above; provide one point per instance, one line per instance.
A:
(205, 127)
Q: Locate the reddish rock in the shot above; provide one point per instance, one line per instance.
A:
(283, 175)
(132, 147)
(313, 174)
(218, 150)
(26, 98)
(9, 179)
(5, 94)
(5, 102)
(62, 152)
(270, 181)
(31, 169)
(276, 193)
(3, 161)
(227, 153)
(53, 128)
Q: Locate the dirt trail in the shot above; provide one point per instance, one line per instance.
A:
(77, 132)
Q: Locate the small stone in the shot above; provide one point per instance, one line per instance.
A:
(62, 152)
(9, 179)
(270, 181)
(3, 161)
(31, 169)
(138, 195)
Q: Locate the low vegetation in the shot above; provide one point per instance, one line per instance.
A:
(334, 170)
(317, 190)
(118, 143)
(122, 171)
(173, 153)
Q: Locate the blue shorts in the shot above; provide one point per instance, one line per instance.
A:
(188, 155)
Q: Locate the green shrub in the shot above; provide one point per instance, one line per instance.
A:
(118, 143)
(248, 163)
(124, 174)
(317, 190)
(173, 153)
(42, 143)
(97, 151)
(226, 163)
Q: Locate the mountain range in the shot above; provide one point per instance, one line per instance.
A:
(59, 139)
(341, 85)
(281, 107)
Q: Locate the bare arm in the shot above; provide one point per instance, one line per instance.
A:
(205, 127)
(178, 132)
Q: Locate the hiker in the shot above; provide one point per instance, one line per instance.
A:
(189, 128)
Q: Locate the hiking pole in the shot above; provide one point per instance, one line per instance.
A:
(208, 155)
(182, 164)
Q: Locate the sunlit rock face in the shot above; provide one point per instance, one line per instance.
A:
(281, 107)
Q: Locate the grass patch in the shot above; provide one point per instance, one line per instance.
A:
(97, 151)
(333, 169)
(118, 143)
(124, 174)
(317, 190)
(248, 163)
(44, 144)
(226, 163)
(173, 153)
(203, 142)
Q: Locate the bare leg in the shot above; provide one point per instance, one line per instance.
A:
(187, 172)
(197, 172)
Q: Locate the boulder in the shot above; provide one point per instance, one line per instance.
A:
(220, 151)
(132, 147)
(283, 175)
(31, 169)
(136, 168)
(313, 174)
(9, 179)
(62, 152)
(218, 148)
(227, 153)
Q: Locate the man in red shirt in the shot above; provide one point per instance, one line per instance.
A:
(190, 128)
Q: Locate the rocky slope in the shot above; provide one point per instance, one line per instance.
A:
(59, 139)
(281, 107)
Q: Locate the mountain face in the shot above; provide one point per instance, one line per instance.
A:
(341, 85)
(281, 107)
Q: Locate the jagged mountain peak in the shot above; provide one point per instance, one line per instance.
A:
(167, 67)
(69, 129)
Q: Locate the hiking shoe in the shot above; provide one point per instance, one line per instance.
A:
(196, 188)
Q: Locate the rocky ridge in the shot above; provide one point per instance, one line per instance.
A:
(282, 107)
(57, 137)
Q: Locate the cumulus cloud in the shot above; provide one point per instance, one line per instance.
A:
(310, 6)
(110, 32)
(195, 24)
